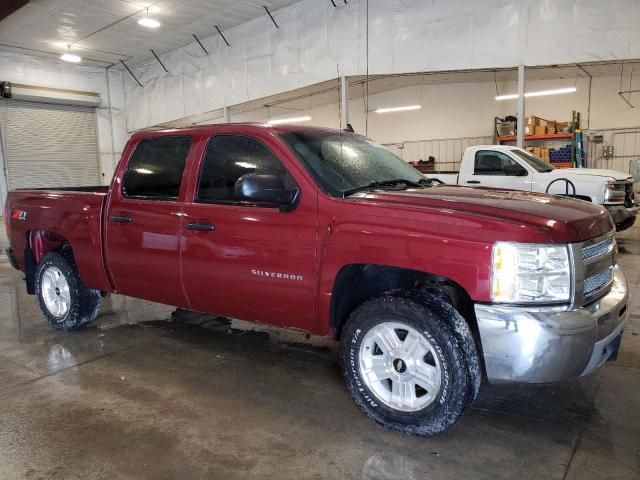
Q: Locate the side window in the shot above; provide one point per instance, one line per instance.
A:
(490, 162)
(155, 168)
(229, 157)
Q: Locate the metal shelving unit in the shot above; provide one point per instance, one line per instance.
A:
(551, 136)
(552, 141)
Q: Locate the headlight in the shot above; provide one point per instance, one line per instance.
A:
(530, 273)
(614, 192)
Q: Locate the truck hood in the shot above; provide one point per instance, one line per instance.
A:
(564, 220)
(592, 172)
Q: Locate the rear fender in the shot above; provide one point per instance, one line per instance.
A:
(39, 243)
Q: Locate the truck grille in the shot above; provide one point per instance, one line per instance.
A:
(597, 267)
(595, 251)
(597, 282)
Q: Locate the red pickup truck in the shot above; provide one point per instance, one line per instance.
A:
(429, 288)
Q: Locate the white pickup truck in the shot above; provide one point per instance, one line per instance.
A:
(500, 166)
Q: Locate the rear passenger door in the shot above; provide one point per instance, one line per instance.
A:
(252, 261)
(143, 221)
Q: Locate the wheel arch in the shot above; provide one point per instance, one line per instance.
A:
(38, 244)
(356, 283)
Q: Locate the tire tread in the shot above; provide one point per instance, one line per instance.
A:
(454, 338)
(85, 302)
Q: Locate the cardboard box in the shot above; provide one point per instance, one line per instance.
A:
(536, 151)
(551, 130)
(551, 124)
(540, 130)
(528, 129)
(563, 127)
(544, 154)
(531, 120)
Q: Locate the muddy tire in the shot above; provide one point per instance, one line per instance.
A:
(64, 300)
(438, 303)
(404, 364)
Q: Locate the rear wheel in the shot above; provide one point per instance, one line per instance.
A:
(63, 298)
(404, 365)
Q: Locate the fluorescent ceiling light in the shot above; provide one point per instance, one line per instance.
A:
(398, 109)
(149, 22)
(551, 92)
(541, 93)
(70, 57)
(277, 121)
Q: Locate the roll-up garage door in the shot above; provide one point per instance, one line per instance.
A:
(48, 145)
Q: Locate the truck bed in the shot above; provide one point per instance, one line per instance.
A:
(91, 189)
(44, 215)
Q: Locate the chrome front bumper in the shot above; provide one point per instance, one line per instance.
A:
(551, 344)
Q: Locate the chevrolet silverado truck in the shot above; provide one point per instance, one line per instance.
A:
(511, 167)
(430, 289)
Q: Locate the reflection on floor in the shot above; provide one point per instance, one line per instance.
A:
(155, 393)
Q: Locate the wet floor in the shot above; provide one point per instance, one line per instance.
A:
(151, 393)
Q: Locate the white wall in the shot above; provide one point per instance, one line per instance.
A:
(608, 110)
(454, 110)
(391, 36)
(464, 110)
(468, 109)
(43, 72)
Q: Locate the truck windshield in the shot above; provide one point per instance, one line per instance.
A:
(533, 161)
(343, 163)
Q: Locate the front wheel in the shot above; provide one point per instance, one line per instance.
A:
(63, 298)
(404, 366)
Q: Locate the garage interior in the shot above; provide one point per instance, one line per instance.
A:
(151, 391)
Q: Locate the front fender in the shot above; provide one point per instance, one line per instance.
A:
(458, 249)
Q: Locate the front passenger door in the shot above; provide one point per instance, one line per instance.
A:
(244, 259)
(496, 169)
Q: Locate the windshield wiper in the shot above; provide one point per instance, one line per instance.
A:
(430, 181)
(383, 183)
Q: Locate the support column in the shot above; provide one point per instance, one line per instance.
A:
(344, 102)
(227, 114)
(521, 126)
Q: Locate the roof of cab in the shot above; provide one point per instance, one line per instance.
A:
(240, 127)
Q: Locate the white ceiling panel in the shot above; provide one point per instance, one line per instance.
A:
(107, 31)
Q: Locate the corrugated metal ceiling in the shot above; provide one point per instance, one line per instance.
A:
(102, 34)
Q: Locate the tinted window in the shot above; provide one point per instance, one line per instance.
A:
(533, 161)
(229, 157)
(490, 162)
(340, 161)
(155, 169)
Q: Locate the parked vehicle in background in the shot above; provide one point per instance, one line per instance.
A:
(428, 287)
(502, 166)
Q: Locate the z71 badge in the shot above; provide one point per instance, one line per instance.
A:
(19, 215)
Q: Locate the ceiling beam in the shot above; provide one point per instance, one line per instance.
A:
(7, 7)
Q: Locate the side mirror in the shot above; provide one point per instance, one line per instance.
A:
(514, 171)
(267, 188)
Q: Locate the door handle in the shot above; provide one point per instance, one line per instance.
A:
(121, 219)
(473, 181)
(203, 227)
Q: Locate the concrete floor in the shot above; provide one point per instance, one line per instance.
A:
(198, 397)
